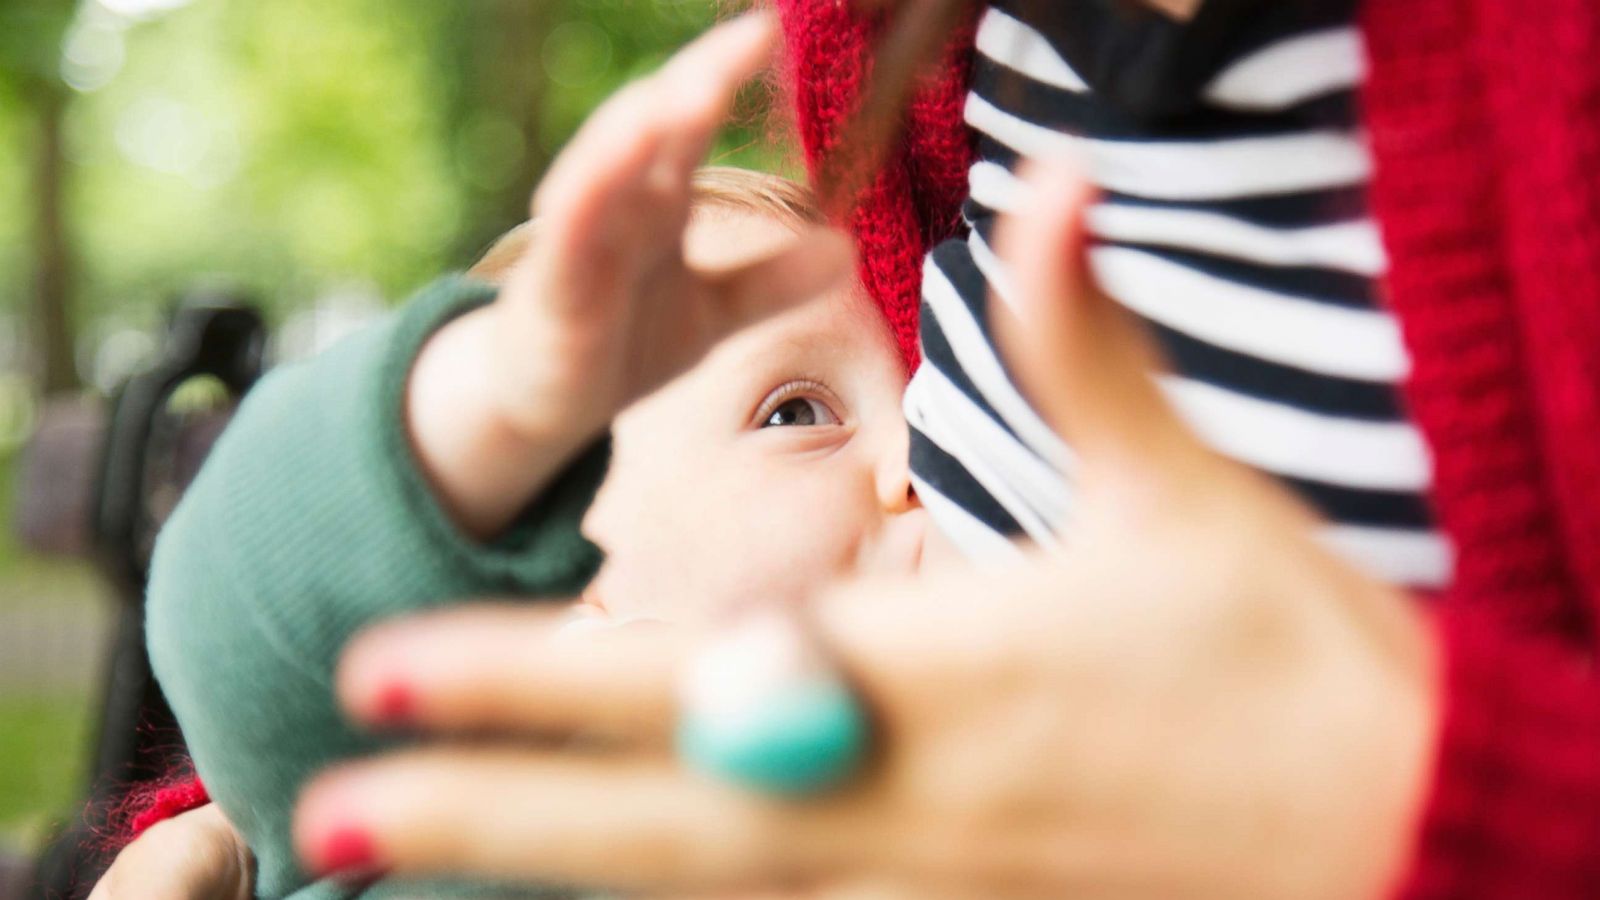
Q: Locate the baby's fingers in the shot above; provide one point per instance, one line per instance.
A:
(624, 177)
(193, 856)
(680, 105)
(816, 261)
(697, 87)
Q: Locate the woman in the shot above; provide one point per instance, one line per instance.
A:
(1250, 715)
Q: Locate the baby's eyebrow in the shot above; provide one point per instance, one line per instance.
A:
(798, 337)
(805, 340)
(815, 334)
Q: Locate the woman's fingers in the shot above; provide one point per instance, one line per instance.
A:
(512, 668)
(608, 821)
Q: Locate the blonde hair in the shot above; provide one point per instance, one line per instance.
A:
(711, 187)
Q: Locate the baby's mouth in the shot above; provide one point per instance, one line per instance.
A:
(590, 600)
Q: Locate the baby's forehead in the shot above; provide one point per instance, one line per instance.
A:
(843, 321)
(722, 236)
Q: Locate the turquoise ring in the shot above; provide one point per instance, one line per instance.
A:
(762, 708)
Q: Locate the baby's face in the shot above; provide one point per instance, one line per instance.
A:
(776, 465)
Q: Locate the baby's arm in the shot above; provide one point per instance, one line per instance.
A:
(602, 308)
(398, 471)
(309, 521)
(482, 469)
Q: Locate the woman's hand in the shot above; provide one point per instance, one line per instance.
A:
(602, 308)
(193, 856)
(1193, 699)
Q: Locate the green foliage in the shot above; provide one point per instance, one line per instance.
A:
(42, 763)
(299, 147)
(30, 42)
(291, 148)
(296, 147)
(284, 147)
(15, 134)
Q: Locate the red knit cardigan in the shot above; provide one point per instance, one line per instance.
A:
(1484, 121)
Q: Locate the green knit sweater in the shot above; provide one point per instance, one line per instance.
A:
(309, 521)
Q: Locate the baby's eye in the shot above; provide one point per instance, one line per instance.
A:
(800, 411)
(800, 403)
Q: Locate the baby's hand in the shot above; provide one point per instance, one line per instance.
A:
(195, 856)
(603, 308)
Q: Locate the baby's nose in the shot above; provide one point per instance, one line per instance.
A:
(896, 493)
(900, 498)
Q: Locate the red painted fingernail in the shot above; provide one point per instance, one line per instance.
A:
(348, 851)
(396, 704)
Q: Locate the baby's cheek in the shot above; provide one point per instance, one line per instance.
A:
(739, 536)
(812, 538)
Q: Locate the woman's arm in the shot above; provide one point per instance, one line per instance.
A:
(1194, 699)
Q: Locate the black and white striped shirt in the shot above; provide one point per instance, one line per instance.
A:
(1234, 224)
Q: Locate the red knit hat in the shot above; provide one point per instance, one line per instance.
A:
(915, 199)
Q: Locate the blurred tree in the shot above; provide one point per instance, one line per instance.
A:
(30, 40)
(299, 150)
(518, 78)
(294, 150)
(486, 56)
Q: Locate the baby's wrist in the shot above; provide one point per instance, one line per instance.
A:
(484, 463)
(542, 376)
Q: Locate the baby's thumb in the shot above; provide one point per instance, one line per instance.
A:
(817, 260)
(1083, 361)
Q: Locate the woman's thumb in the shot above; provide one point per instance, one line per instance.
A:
(1083, 361)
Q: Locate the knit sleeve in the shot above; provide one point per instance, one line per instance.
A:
(1515, 805)
(309, 521)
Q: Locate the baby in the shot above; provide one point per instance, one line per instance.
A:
(387, 476)
(778, 461)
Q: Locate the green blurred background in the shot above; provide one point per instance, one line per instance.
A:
(324, 157)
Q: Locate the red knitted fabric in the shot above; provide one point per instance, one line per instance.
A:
(913, 202)
(147, 804)
(1515, 807)
(157, 803)
(1485, 125)
(1434, 189)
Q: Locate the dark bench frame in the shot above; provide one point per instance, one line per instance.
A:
(143, 450)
